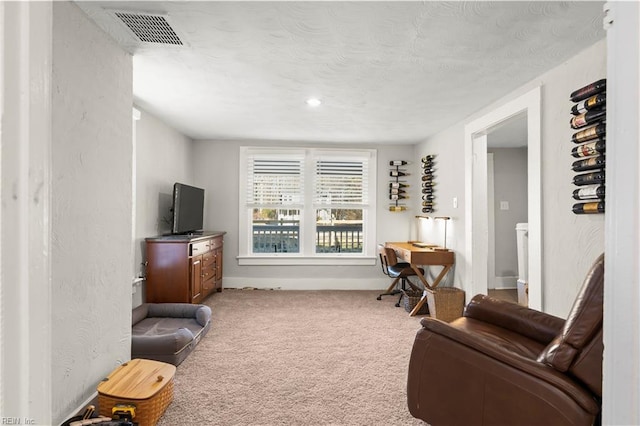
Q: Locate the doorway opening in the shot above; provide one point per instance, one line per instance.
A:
(477, 134)
(507, 203)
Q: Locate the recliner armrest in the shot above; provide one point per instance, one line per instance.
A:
(517, 318)
(524, 364)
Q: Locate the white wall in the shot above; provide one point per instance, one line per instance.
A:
(448, 148)
(163, 157)
(91, 207)
(216, 170)
(570, 242)
(510, 185)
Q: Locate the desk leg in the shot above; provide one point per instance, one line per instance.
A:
(423, 299)
(441, 275)
(419, 274)
(419, 305)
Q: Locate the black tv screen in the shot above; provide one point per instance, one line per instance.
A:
(188, 208)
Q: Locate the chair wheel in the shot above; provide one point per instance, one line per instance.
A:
(379, 297)
(397, 305)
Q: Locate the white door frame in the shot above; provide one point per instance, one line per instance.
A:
(25, 141)
(621, 376)
(491, 231)
(476, 214)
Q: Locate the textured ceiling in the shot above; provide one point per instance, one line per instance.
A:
(387, 72)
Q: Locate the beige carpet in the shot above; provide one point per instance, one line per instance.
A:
(298, 358)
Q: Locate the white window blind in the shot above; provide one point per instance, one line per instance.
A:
(275, 181)
(341, 182)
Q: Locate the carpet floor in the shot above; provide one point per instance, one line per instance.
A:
(298, 358)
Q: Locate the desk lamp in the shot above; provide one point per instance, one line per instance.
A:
(444, 246)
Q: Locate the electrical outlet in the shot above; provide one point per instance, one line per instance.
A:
(504, 205)
(455, 202)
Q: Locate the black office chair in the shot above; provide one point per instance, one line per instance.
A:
(397, 270)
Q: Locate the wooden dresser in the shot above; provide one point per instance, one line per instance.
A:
(184, 268)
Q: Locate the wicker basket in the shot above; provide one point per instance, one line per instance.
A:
(145, 383)
(410, 299)
(445, 303)
(148, 411)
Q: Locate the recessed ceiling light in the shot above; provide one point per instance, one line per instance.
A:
(313, 102)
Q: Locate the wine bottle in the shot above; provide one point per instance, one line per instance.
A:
(588, 104)
(427, 158)
(589, 133)
(587, 208)
(396, 191)
(398, 185)
(427, 177)
(396, 173)
(427, 210)
(397, 208)
(428, 197)
(398, 163)
(427, 170)
(588, 149)
(589, 90)
(395, 197)
(592, 192)
(427, 204)
(589, 164)
(427, 190)
(589, 178)
(588, 117)
(428, 184)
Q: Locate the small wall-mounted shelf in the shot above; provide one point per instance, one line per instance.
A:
(589, 117)
(398, 187)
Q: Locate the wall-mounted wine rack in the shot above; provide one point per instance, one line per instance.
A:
(589, 116)
(428, 197)
(398, 187)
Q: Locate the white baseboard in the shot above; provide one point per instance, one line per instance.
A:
(505, 283)
(308, 283)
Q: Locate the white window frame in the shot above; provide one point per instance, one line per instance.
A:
(307, 255)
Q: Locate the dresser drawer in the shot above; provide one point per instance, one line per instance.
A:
(199, 248)
(216, 243)
(208, 259)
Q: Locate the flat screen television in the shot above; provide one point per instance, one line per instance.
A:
(188, 208)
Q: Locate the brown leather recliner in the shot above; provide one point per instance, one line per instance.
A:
(504, 364)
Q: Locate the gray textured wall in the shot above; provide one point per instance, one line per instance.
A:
(510, 185)
(570, 242)
(91, 207)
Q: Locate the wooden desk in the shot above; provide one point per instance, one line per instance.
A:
(418, 256)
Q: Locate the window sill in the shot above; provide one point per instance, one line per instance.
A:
(300, 260)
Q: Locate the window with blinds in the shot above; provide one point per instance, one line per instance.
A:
(340, 193)
(306, 202)
(275, 196)
(340, 182)
(275, 181)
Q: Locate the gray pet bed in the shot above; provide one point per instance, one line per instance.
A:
(168, 332)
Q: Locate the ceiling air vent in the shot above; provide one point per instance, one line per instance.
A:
(150, 28)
